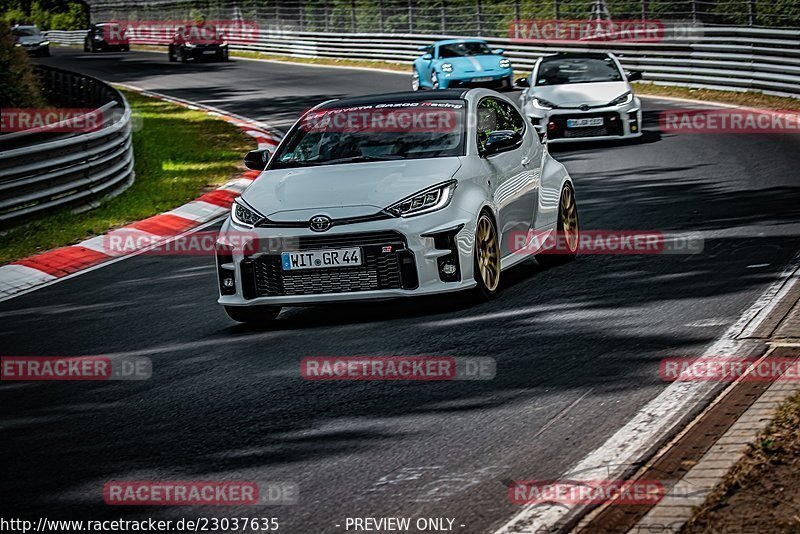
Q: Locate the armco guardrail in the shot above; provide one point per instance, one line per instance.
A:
(727, 58)
(42, 169)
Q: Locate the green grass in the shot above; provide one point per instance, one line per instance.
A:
(179, 154)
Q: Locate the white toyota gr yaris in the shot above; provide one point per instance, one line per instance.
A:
(393, 195)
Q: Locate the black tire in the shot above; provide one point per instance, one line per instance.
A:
(171, 54)
(485, 291)
(253, 314)
(551, 258)
(87, 46)
(126, 48)
(183, 55)
(415, 85)
(434, 81)
(46, 52)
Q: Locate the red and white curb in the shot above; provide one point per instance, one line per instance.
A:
(35, 271)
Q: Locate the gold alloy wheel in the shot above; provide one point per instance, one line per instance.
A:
(488, 253)
(569, 219)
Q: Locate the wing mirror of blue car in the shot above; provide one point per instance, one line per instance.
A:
(501, 140)
(522, 82)
(422, 48)
(427, 57)
(257, 160)
(633, 75)
(499, 51)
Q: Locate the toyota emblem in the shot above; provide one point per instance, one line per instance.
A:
(320, 223)
(584, 107)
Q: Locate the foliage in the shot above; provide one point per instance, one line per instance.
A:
(19, 87)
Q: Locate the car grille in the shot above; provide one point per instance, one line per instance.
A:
(380, 270)
(612, 125)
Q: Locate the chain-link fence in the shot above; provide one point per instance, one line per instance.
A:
(453, 17)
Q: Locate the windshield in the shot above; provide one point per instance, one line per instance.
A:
(577, 70)
(375, 132)
(27, 32)
(205, 33)
(470, 48)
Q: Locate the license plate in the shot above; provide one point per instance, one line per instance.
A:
(583, 123)
(321, 259)
(209, 52)
(485, 79)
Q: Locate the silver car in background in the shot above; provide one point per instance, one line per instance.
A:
(394, 195)
(574, 96)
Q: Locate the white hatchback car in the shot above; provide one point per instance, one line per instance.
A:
(574, 96)
(393, 195)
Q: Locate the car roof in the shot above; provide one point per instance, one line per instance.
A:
(578, 55)
(25, 27)
(388, 98)
(455, 41)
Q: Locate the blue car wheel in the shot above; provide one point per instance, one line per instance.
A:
(434, 81)
(415, 80)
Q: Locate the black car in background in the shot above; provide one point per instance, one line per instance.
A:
(31, 39)
(106, 37)
(200, 42)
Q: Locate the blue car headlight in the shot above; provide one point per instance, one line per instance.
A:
(447, 67)
(505, 63)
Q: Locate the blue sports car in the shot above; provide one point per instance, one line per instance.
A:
(461, 63)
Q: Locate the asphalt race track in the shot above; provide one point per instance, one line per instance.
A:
(577, 346)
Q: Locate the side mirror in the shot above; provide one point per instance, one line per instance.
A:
(422, 48)
(633, 75)
(427, 57)
(522, 82)
(257, 159)
(501, 140)
(498, 51)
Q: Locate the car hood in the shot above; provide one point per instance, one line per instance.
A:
(580, 93)
(346, 190)
(489, 62)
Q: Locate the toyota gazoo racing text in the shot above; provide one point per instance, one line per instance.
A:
(392, 195)
(578, 96)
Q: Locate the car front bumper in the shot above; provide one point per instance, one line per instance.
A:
(419, 248)
(501, 80)
(619, 122)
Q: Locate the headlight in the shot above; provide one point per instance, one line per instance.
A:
(431, 199)
(624, 98)
(44, 43)
(17, 44)
(447, 67)
(244, 216)
(98, 37)
(189, 45)
(541, 103)
(505, 63)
